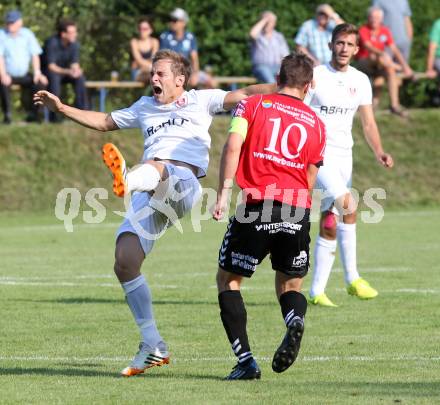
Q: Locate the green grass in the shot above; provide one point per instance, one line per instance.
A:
(39, 160)
(66, 331)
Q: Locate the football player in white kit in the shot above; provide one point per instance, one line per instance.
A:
(341, 90)
(165, 186)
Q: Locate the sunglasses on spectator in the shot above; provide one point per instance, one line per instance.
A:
(173, 20)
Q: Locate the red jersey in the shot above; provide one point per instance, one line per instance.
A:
(379, 40)
(284, 137)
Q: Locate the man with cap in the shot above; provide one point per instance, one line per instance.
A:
(315, 34)
(18, 48)
(179, 40)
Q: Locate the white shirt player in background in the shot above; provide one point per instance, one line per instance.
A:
(341, 90)
(175, 126)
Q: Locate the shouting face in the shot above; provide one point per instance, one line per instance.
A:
(167, 87)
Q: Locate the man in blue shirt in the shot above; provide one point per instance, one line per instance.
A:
(18, 48)
(314, 35)
(179, 40)
(61, 63)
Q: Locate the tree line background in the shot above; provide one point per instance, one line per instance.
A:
(221, 28)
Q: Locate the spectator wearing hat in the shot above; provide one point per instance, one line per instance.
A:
(268, 48)
(314, 35)
(18, 49)
(61, 63)
(178, 39)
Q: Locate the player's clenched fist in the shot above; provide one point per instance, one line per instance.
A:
(221, 206)
(386, 160)
(49, 100)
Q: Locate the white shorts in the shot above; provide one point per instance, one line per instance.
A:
(148, 216)
(334, 179)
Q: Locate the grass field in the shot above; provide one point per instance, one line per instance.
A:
(66, 331)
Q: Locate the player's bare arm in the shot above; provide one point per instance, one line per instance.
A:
(90, 119)
(234, 97)
(228, 169)
(312, 173)
(372, 136)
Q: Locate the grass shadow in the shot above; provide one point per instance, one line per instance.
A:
(82, 372)
(90, 300)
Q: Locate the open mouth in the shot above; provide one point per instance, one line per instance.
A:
(157, 90)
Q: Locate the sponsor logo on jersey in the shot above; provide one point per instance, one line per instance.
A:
(178, 121)
(300, 260)
(182, 101)
(266, 103)
(239, 109)
(352, 91)
(276, 227)
(243, 261)
(332, 109)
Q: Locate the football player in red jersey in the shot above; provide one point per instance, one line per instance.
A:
(275, 147)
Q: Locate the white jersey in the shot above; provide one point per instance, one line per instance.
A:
(335, 99)
(176, 131)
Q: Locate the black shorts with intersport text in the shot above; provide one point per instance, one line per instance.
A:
(263, 228)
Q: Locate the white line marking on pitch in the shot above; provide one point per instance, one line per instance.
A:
(377, 269)
(65, 277)
(222, 359)
(57, 227)
(60, 226)
(174, 286)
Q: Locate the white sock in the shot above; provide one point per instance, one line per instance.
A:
(145, 177)
(139, 300)
(324, 258)
(346, 234)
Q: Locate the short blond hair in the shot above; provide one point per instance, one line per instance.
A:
(179, 64)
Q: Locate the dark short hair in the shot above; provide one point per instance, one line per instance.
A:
(179, 64)
(345, 29)
(296, 70)
(63, 24)
(147, 20)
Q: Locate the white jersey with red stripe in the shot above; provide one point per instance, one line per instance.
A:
(175, 131)
(335, 99)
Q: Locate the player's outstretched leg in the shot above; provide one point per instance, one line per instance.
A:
(293, 306)
(144, 177)
(114, 160)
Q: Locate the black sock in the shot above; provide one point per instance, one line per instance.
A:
(293, 306)
(234, 317)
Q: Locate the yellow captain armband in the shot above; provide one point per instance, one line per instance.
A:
(240, 126)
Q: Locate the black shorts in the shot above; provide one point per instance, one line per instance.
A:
(284, 233)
